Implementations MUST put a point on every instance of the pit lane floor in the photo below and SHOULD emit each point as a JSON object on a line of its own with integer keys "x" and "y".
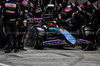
{"x": 51, "y": 56}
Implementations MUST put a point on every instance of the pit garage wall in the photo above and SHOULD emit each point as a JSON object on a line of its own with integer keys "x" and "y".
{"x": 44, "y": 1}
{"x": 80, "y": 1}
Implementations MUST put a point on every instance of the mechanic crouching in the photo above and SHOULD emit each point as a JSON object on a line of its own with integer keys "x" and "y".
{"x": 22, "y": 26}
{"x": 10, "y": 11}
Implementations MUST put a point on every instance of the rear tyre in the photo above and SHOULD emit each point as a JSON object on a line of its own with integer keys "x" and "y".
{"x": 98, "y": 37}
{"x": 39, "y": 41}
{"x": 89, "y": 47}
{"x": 83, "y": 46}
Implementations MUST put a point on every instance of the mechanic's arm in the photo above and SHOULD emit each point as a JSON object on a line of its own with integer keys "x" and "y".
{"x": 59, "y": 16}
{"x": 25, "y": 22}
{"x": 18, "y": 10}
{"x": 2, "y": 10}
{"x": 25, "y": 25}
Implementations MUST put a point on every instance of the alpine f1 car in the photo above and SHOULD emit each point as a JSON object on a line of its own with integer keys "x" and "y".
{"x": 49, "y": 34}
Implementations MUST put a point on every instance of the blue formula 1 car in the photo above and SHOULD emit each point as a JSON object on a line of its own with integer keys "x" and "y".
{"x": 49, "y": 34}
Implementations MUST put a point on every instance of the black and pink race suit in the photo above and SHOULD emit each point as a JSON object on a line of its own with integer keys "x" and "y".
{"x": 89, "y": 7}
{"x": 92, "y": 9}
{"x": 10, "y": 11}
{"x": 22, "y": 29}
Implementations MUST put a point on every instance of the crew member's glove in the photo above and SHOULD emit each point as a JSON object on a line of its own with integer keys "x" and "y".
{"x": 89, "y": 14}
{"x": 16, "y": 22}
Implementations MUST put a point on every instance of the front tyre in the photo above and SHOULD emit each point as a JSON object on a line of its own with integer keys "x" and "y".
{"x": 36, "y": 41}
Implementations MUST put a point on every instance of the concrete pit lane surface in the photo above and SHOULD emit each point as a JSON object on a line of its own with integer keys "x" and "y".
{"x": 51, "y": 57}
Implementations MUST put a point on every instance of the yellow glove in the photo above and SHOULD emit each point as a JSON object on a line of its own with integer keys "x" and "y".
{"x": 89, "y": 14}
{"x": 16, "y": 22}
{"x": 3, "y": 29}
